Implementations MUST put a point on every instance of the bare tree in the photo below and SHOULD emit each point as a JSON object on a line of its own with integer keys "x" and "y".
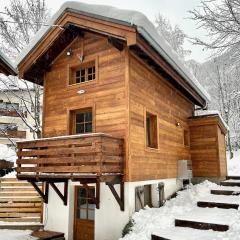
{"x": 221, "y": 20}
{"x": 18, "y": 23}
{"x": 173, "y": 35}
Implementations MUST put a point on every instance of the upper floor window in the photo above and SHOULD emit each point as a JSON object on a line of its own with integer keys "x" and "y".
{"x": 83, "y": 73}
{"x": 151, "y": 130}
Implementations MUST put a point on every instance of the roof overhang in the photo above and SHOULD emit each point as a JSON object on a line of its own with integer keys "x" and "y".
{"x": 6, "y": 66}
{"x": 35, "y": 61}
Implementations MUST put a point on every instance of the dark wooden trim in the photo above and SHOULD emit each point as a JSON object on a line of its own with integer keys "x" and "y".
{"x": 230, "y": 184}
{"x": 63, "y": 196}
{"x": 233, "y": 177}
{"x": 218, "y": 205}
{"x": 155, "y": 237}
{"x": 44, "y": 194}
{"x": 201, "y": 225}
{"x": 161, "y": 62}
{"x": 225, "y": 192}
{"x": 119, "y": 199}
{"x": 117, "y": 43}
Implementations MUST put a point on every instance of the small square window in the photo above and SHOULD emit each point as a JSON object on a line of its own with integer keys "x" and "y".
{"x": 151, "y": 130}
{"x": 84, "y": 73}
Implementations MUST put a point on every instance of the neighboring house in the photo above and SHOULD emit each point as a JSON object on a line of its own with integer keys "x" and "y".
{"x": 118, "y": 114}
{"x": 15, "y": 105}
{"x": 12, "y": 126}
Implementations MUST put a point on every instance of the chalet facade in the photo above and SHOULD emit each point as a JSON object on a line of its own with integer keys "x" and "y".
{"x": 118, "y": 114}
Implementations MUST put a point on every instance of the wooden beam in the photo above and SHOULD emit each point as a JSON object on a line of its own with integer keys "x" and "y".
{"x": 201, "y": 225}
{"x": 225, "y": 192}
{"x": 44, "y": 195}
{"x": 118, "y": 44}
{"x": 119, "y": 199}
{"x": 217, "y": 205}
{"x": 63, "y": 196}
{"x": 155, "y": 237}
{"x": 97, "y": 195}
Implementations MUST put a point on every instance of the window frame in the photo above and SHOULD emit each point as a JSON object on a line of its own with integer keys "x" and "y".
{"x": 75, "y": 67}
{"x": 73, "y": 123}
{"x": 87, "y": 198}
{"x": 148, "y": 147}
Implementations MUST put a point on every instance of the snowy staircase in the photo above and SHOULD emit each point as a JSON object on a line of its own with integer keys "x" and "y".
{"x": 20, "y": 205}
{"x": 215, "y": 213}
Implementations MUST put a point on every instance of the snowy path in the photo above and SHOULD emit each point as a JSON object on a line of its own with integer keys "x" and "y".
{"x": 161, "y": 221}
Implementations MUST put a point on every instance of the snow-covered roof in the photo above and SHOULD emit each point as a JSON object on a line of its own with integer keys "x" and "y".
{"x": 125, "y": 17}
{"x": 211, "y": 113}
{"x": 12, "y": 83}
{"x": 8, "y": 63}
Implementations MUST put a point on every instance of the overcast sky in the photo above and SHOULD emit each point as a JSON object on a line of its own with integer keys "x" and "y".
{"x": 175, "y": 10}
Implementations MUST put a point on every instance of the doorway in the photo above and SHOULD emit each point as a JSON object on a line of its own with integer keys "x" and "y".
{"x": 84, "y": 213}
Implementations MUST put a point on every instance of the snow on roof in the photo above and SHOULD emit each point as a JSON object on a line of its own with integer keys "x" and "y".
{"x": 124, "y": 17}
{"x": 12, "y": 83}
{"x": 7, "y": 62}
{"x": 7, "y": 153}
{"x": 212, "y": 113}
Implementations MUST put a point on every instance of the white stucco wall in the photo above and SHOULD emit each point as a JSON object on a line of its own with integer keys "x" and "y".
{"x": 109, "y": 219}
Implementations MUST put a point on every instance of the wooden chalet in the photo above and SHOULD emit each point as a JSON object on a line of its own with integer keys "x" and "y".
{"x": 118, "y": 115}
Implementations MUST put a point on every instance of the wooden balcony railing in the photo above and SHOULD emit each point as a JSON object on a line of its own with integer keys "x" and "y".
{"x": 88, "y": 154}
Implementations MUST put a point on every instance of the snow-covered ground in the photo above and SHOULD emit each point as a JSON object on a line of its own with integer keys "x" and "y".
{"x": 234, "y": 164}
{"x": 16, "y": 235}
{"x": 161, "y": 220}
{"x": 7, "y": 153}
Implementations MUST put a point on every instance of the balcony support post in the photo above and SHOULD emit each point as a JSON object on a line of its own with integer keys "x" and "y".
{"x": 63, "y": 196}
{"x": 97, "y": 195}
{"x": 119, "y": 199}
{"x": 42, "y": 193}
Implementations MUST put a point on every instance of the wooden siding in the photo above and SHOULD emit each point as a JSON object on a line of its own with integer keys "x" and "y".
{"x": 207, "y": 141}
{"x": 150, "y": 92}
{"x": 106, "y": 95}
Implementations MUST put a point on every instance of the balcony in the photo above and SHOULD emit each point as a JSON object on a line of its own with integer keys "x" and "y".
{"x": 70, "y": 157}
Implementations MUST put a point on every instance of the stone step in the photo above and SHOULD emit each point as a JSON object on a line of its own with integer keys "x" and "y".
{"x": 201, "y": 225}
{"x": 230, "y": 183}
{"x": 225, "y": 192}
{"x": 181, "y": 233}
{"x": 233, "y": 177}
{"x": 217, "y": 205}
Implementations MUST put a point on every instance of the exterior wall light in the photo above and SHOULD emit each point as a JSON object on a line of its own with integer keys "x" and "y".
{"x": 69, "y": 52}
{"x": 178, "y": 124}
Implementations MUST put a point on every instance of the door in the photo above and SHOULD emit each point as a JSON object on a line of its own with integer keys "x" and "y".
{"x": 84, "y": 213}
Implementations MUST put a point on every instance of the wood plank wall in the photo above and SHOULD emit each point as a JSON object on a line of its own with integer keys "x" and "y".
{"x": 207, "y": 147}
{"x": 106, "y": 95}
{"x": 150, "y": 92}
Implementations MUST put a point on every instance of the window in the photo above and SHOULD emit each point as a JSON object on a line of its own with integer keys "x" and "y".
{"x": 85, "y": 203}
{"x": 83, "y": 73}
{"x": 151, "y": 131}
{"x": 82, "y": 121}
{"x": 143, "y": 197}
{"x": 186, "y": 137}
{"x": 8, "y": 126}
